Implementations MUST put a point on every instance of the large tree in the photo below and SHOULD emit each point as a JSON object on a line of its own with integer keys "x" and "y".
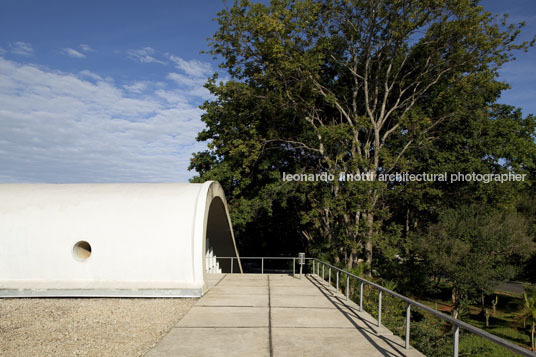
{"x": 341, "y": 86}
{"x": 495, "y": 141}
{"x": 475, "y": 247}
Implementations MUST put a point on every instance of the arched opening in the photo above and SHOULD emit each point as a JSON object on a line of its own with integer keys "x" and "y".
{"x": 219, "y": 240}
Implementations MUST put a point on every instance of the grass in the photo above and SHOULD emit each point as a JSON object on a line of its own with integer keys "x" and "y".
{"x": 504, "y": 323}
{"x": 472, "y": 345}
{"x": 433, "y": 336}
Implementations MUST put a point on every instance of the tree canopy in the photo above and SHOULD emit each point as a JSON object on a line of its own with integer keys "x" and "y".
{"x": 366, "y": 87}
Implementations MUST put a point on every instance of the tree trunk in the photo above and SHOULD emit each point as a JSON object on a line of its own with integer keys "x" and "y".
{"x": 437, "y": 281}
{"x": 368, "y": 247}
{"x": 454, "y": 303}
{"x": 407, "y": 223}
{"x": 350, "y": 260}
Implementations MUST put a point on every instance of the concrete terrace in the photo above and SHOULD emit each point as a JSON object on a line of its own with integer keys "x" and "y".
{"x": 277, "y": 315}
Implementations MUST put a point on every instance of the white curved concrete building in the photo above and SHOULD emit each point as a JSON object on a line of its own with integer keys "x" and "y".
{"x": 113, "y": 239}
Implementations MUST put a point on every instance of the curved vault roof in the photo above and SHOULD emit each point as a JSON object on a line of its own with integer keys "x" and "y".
{"x": 125, "y": 239}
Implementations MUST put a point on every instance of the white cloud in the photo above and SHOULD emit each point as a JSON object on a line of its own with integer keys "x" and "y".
{"x": 2, "y": 51}
{"x": 73, "y": 53}
{"x": 88, "y": 74}
{"x": 144, "y": 55}
{"x": 136, "y": 87}
{"x": 191, "y": 86}
{"x": 177, "y": 97}
{"x": 21, "y": 49}
{"x": 193, "y": 68}
{"x": 184, "y": 80}
{"x": 86, "y": 48}
{"x": 193, "y": 78}
{"x": 64, "y": 127}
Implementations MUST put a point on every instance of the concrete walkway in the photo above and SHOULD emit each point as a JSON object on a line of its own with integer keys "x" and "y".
{"x": 277, "y": 315}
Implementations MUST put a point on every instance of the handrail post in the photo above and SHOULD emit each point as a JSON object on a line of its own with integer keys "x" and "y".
{"x": 380, "y": 309}
{"x": 262, "y": 265}
{"x": 293, "y": 266}
{"x": 408, "y": 317}
{"x": 329, "y": 276}
{"x": 456, "y": 340}
{"x": 313, "y": 266}
{"x": 361, "y": 297}
{"x": 232, "y": 263}
{"x": 347, "y": 286}
{"x": 323, "y": 266}
{"x": 337, "y": 281}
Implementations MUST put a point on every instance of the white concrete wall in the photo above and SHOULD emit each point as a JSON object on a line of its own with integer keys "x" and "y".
{"x": 149, "y": 237}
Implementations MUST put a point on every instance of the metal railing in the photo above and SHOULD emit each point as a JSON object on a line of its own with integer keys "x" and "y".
{"x": 457, "y": 324}
{"x": 262, "y": 260}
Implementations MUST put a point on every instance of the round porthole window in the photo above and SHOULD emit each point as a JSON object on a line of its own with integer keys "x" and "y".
{"x": 82, "y": 250}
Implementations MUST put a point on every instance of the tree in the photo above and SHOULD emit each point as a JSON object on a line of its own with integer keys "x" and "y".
{"x": 341, "y": 86}
{"x": 527, "y": 206}
{"x": 475, "y": 247}
{"x": 529, "y": 297}
{"x": 496, "y": 140}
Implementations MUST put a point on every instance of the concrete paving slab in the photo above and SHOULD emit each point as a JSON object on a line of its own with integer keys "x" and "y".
{"x": 238, "y": 290}
{"x": 309, "y": 317}
{"x": 215, "y": 342}
{"x": 350, "y": 310}
{"x": 294, "y": 290}
{"x": 282, "y": 276}
{"x": 293, "y": 282}
{"x": 225, "y": 316}
{"x": 301, "y": 301}
{"x": 233, "y": 300}
{"x": 303, "y": 317}
{"x": 317, "y": 281}
{"x": 396, "y": 343}
{"x": 214, "y": 276}
{"x": 364, "y": 320}
{"x": 246, "y": 276}
{"x": 213, "y": 279}
{"x": 244, "y": 282}
{"x": 332, "y": 342}
{"x": 326, "y": 289}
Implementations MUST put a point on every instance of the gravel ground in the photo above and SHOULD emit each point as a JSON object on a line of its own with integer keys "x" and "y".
{"x": 86, "y": 327}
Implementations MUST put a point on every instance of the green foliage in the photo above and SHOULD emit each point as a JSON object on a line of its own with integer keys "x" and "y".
{"x": 529, "y": 312}
{"x": 363, "y": 86}
{"x": 431, "y": 337}
{"x": 472, "y": 345}
{"x": 475, "y": 247}
{"x": 353, "y": 86}
{"x": 393, "y": 309}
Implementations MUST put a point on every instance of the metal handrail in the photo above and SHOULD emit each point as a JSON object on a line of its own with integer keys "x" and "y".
{"x": 455, "y": 322}
{"x": 262, "y": 261}
{"x": 282, "y": 258}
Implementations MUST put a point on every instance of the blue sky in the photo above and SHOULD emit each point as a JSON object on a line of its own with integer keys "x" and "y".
{"x": 108, "y": 91}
